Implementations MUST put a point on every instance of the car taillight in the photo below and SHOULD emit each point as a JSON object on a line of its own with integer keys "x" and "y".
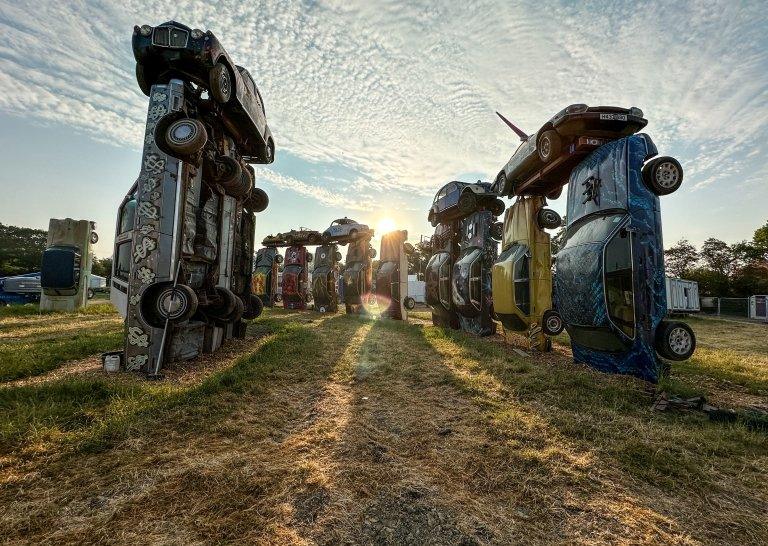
{"x": 576, "y": 108}
{"x": 634, "y": 111}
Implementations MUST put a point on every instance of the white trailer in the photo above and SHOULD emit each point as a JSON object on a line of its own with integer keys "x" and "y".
{"x": 682, "y": 296}
{"x": 758, "y": 307}
{"x": 417, "y": 289}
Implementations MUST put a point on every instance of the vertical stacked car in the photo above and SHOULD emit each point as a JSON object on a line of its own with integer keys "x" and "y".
{"x": 522, "y": 276}
{"x": 392, "y": 276}
{"x": 358, "y": 277}
{"x": 295, "y": 283}
{"x": 265, "y": 276}
{"x": 184, "y": 239}
{"x": 609, "y": 280}
{"x": 66, "y": 264}
{"x": 458, "y": 285}
{"x": 471, "y": 281}
{"x": 325, "y": 278}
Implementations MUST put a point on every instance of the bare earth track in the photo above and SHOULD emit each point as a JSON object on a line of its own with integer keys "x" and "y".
{"x": 335, "y": 429}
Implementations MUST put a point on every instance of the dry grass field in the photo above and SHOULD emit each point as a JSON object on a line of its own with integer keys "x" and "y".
{"x": 321, "y": 429}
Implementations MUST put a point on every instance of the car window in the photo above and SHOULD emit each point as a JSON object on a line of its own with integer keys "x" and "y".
{"x": 619, "y": 293}
{"x": 444, "y": 282}
{"x": 123, "y": 261}
{"x": 127, "y": 215}
{"x": 522, "y": 280}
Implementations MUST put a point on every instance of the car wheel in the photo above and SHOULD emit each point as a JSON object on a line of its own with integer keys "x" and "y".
{"x": 497, "y": 207}
{"x": 409, "y": 303}
{"x": 90, "y": 293}
{"x": 278, "y": 259}
{"x": 554, "y": 194}
{"x": 501, "y": 183}
{"x": 145, "y": 82}
{"x": 240, "y": 187}
{"x": 255, "y": 307}
{"x": 337, "y": 256}
{"x": 663, "y": 175}
{"x": 548, "y": 219}
{"x": 223, "y": 305}
{"x": 552, "y": 323}
{"x": 257, "y": 201}
{"x": 467, "y": 203}
{"x": 94, "y": 238}
{"x": 548, "y": 146}
{"x": 185, "y": 137}
{"x": 675, "y": 340}
{"x": 220, "y": 84}
{"x": 226, "y": 170}
{"x": 165, "y": 302}
{"x": 497, "y": 230}
{"x": 371, "y": 253}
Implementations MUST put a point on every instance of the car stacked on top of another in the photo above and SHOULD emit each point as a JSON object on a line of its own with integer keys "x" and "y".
{"x": 542, "y": 163}
{"x": 301, "y": 236}
{"x": 173, "y": 50}
{"x": 344, "y": 230}
{"x": 457, "y": 200}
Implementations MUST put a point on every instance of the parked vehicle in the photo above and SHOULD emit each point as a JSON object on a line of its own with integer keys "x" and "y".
{"x": 560, "y": 144}
{"x": 457, "y": 200}
{"x": 609, "y": 280}
{"x": 392, "y": 276}
{"x": 522, "y": 276}
{"x": 172, "y": 50}
{"x": 344, "y": 230}
{"x": 758, "y": 307}
{"x": 325, "y": 279}
{"x": 417, "y": 289}
{"x": 682, "y": 296}
{"x": 265, "y": 275}
{"x": 20, "y": 289}
{"x": 471, "y": 279}
{"x": 295, "y": 279}
{"x": 439, "y": 275}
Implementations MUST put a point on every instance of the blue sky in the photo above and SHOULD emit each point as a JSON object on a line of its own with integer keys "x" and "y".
{"x": 374, "y": 105}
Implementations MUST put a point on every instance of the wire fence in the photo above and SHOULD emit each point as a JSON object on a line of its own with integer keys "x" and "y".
{"x": 731, "y": 307}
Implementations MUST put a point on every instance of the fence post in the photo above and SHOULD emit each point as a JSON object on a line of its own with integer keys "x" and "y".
{"x": 718, "y": 307}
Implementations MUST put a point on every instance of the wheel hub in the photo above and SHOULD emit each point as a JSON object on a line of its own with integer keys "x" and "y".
{"x": 667, "y": 175}
{"x": 553, "y": 323}
{"x": 183, "y": 132}
{"x": 171, "y": 304}
{"x": 545, "y": 147}
{"x": 680, "y": 341}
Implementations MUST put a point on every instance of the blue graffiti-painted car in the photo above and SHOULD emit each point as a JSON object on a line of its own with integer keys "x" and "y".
{"x": 609, "y": 280}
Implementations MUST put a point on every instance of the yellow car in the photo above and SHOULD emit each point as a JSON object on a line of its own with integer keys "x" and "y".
{"x": 522, "y": 276}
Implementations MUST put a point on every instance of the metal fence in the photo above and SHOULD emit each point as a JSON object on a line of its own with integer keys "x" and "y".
{"x": 733, "y": 307}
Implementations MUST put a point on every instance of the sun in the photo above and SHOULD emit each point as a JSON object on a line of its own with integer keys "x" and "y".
{"x": 385, "y": 226}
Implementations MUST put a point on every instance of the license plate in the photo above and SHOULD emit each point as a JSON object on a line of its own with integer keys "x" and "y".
{"x": 613, "y": 117}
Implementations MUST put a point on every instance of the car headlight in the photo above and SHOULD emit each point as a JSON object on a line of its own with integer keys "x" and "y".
{"x": 635, "y": 112}
{"x": 197, "y": 34}
{"x": 145, "y": 30}
{"x": 576, "y": 108}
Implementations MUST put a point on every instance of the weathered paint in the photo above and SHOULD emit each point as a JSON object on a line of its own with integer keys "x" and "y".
{"x": 295, "y": 278}
{"x": 325, "y": 278}
{"x": 438, "y": 275}
{"x": 392, "y": 276}
{"x": 358, "y": 277}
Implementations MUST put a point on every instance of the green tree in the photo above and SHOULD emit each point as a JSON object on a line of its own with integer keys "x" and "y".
{"x": 102, "y": 267}
{"x": 718, "y": 256}
{"x": 680, "y": 258}
{"x": 21, "y": 249}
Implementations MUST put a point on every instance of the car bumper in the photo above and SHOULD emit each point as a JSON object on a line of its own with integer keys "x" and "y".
{"x": 599, "y": 124}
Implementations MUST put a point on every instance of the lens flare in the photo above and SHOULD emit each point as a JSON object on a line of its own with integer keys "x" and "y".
{"x": 385, "y": 226}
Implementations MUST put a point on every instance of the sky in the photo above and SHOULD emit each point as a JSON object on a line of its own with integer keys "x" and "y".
{"x": 375, "y": 105}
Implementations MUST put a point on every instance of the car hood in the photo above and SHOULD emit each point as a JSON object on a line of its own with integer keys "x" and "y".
{"x": 579, "y": 289}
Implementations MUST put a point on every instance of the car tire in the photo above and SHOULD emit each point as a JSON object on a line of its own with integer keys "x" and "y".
{"x": 675, "y": 340}
{"x": 278, "y": 259}
{"x": 548, "y": 146}
{"x": 663, "y": 175}
{"x": 409, "y": 303}
{"x": 241, "y": 187}
{"x": 257, "y": 201}
{"x": 90, "y": 293}
{"x": 226, "y": 170}
{"x": 94, "y": 238}
{"x": 467, "y": 203}
{"x": 220, "y": 82}
{"x": 497, "y": 230}
{"x": 497, "y": 207}
{"x": 143, "y": 79}
{"x": 501, "y": 183}
{"x": 337, "y": 256}
{"x": 548, "y": 219}
{"x": 225, "y": 304}
{"x": 372, "y": 253}
{"x": 164, "y": 302}
{"x": 254, "y": 308}
{"x": 185, "y": 137}
{"x": 552, "y": 323}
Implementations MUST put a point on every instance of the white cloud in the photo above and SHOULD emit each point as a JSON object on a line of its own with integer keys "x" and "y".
{"x": 404, "y": 93}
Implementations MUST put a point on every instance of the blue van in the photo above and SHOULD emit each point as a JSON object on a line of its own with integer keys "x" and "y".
{"x": 609, "y": 279}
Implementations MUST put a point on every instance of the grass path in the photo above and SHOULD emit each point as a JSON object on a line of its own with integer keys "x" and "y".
{"x": 337, "y": 429}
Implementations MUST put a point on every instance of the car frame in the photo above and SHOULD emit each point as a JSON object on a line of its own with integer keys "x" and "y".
{"x": 522, "y": 275}
{"x": 457, "y": 200}
{"x": 202, "y": 59}
{"x": 264, "y": 281}
{"x": 542, "y": 162}
{"x": 438, "y": 275}
{"x": 609, "y": 278}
